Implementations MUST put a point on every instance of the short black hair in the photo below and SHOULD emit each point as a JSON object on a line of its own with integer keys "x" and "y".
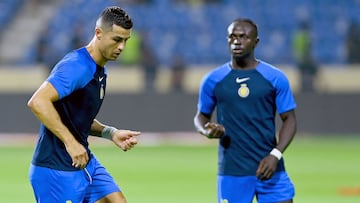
{"x": 249, "y": 21}
{"x": 115, "y": 15}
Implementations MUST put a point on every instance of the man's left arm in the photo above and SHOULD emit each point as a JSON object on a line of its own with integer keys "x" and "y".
{"x": 267, "y": 166}
{"x": 287, "y": 130}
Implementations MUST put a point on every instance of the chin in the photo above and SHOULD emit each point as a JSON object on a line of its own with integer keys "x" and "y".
{"x": 113, "y": 58}
{"x": 237, "y": 55}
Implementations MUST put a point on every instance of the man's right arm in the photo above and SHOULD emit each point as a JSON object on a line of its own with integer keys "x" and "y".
{"x": 41, "y": 104}
{"x": 200, "y": 121}
{"x": 205, "y": 127}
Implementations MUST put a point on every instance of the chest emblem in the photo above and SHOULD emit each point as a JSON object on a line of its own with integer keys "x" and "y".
{"x": 102, "y": 92}
{"x": 243, "y": 91}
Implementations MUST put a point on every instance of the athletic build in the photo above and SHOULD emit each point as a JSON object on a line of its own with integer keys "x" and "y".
{"x": 247, "y": 93}
{"x": 63, "y": 168}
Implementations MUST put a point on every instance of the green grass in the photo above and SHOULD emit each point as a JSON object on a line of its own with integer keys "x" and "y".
{"x": 319, "y": 167}
{"x": 177, "y": 174}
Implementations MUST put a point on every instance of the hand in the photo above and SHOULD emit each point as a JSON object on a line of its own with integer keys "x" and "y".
{"x": 267, "y": 167}
{"x": 214, "y": 130}
{"x": 125, "y": 139}
{"x": 78, "y": 154}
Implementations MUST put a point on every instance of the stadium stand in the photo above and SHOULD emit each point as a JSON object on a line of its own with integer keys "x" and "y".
{"x": 24, "y": 23}
{"x": 198, "y": 33}
{"x": 8, "y": 11}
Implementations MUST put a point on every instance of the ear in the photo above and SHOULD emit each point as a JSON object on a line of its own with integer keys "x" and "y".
{"x": 256, "y": 42}
{"x": 98, "y": 33}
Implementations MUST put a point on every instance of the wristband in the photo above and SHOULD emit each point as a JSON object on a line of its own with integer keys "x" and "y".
{"x": 107, "y": 132}
{"x": 276, "y": 153}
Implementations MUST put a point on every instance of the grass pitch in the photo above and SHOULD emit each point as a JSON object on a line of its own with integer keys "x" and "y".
{"x": 318, "y": 166}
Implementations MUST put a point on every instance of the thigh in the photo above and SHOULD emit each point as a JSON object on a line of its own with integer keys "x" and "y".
{"x": 239, "y": 189}
{"x": 277, "y": 189}
{"x": 102, "y": 184}
{"x": 117, "y": 197}
{"x": 51, "y": 185}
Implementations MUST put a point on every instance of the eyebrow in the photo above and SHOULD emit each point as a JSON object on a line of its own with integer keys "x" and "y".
{"x": 120, "y": 38}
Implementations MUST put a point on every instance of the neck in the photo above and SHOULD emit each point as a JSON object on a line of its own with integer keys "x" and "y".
{"x": 244, "y": 63}
{"x": 95, "y": 53}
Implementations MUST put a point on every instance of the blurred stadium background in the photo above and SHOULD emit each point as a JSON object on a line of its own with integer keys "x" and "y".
{"x": 194, "y": 31}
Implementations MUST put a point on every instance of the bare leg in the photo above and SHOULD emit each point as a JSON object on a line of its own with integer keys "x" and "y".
{"x": 115, "y": 197}
{"x": 287, "y": 201}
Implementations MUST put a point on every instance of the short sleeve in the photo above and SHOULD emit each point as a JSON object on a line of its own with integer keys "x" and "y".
{"x": 68, "y": 77}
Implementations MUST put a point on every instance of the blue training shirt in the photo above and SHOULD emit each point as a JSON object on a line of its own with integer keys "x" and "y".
{"x": 246, "y": 103}
{"x": 81, "y": 85}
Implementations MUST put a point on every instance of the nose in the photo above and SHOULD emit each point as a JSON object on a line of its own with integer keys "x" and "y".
{"x": 236, "y": 40}
{"x": 121, "y": 46}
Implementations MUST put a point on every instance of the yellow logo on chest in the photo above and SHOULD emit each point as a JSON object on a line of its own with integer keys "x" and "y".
{"x": 243, "y": 91}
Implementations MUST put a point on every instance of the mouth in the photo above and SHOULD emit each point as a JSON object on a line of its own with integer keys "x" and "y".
{"x": 236, "y": 49}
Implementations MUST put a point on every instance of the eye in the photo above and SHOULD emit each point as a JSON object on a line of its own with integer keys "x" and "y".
{"x": 234, "y": 37}
{"x": 120, "y": 40}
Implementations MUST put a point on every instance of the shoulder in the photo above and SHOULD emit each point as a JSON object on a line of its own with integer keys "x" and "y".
{"x": 218, "y": 73}
{"x": 271, "y": 73}
{"x": 74, "y": 71}
{"x": 76, "y": 63}
{"x": 269, "y": 69}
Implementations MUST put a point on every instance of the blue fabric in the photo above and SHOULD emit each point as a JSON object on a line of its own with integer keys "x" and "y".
{"x": 242, "y": 189}
{"x": 81, "y": 86}
{"x": 87, "y": 185}
{"x": 246, "y": 103}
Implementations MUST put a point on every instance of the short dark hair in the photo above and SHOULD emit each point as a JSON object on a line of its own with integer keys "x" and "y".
{"x": 114, "y": 15}
{"x": 249, "y": 21}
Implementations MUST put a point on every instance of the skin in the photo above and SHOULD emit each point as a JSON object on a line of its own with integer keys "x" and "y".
{"x": 106, "y": 45}
{"x": 242, "y": 41}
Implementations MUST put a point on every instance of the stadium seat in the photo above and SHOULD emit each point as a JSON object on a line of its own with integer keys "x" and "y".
{"x": 198, "y": 33}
